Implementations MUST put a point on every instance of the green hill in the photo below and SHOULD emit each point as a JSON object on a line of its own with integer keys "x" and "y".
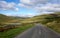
{"x": 4, "y": 18}
{"x": 50, "y": 20}
{"x": 10, "y": 19}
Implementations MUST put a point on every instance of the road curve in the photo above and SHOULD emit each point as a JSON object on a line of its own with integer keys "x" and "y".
{"x": 38, "y": 31}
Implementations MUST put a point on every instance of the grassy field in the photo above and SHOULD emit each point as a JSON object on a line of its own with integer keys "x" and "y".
{"x": 13, "y": 32}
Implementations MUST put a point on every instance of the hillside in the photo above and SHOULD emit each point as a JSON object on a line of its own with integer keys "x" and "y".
{"x": 4, "y": 18}
{"x": 50, "y": 20}
{"x": 10, "y": 19}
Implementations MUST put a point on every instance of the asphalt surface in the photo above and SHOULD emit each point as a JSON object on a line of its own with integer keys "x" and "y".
{"x": 38, "y": 31}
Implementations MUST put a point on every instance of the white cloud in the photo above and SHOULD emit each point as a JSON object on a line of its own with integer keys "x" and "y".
{"x": 49, "y": 7}
{"x": 33, "y": 1}
{"x": 24, "y": 5}
{"x": 7, "y": 6}
{"x": 25, "y": 1}
{"x": 16, "y": 9}
{"x": 41, "y": 5}
{"x": 44, "y": 12}
{"x": 20, "y": 4}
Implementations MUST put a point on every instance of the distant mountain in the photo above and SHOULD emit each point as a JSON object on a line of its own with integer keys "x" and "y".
{"x": 17, "y": 17}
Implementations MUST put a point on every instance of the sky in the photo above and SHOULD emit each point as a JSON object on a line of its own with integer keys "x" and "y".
{"x": 28, "y": 8}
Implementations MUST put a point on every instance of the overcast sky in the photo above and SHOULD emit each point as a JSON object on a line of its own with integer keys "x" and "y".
{"x": 28, "y": 8}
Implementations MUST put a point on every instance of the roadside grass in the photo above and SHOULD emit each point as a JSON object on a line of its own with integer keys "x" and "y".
{"x": 54, "y": 26}
{"x": 13, "y": 32}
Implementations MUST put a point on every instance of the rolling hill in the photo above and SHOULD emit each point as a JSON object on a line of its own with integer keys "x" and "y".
{"x": 50, "y": 20}
{"x": 4, "y": 18}
{"x": 10, "y": 19}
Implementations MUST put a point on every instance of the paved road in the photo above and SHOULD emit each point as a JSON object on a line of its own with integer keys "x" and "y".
{"x": 38, "y": 31}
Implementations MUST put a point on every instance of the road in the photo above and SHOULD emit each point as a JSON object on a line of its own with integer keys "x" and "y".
{"x": 38, "y": 31}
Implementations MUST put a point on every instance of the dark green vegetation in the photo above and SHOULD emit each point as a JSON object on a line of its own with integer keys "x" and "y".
{"x": 13, "y": 32}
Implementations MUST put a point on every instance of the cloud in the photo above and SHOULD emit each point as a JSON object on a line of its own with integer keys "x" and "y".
{"x": 41, "y": 5}
{"x": 7, "y": 6}
{"x": 24, "y": 5}
{"x": 16, "y": 9}
{"x": 33, "y": 1}
{"x": 49, "y": 7}
{"x": 25, "y": 1}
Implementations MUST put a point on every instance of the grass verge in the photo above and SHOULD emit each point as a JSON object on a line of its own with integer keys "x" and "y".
{"x": 13, "y": 32}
